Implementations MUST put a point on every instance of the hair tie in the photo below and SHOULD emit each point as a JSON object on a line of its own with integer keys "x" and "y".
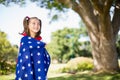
{"x": 27, "y": 18}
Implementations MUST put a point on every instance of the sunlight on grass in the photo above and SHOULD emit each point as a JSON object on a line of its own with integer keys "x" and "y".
{"x": 53, "y": 70}
{"x": 53, "y": 74}
{"x": 7, "y": 77}
{"x": 77, "y": 76}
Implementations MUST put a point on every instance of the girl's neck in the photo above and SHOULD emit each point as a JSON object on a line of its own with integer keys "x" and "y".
{"x": 32, "y": 35}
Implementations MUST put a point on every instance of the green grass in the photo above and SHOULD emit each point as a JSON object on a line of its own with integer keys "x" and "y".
{"x": 7, "y": 77}
{"x": 54, "y": 75}
{"x": 78, "y": 76}
{"x": 87, "y": 76}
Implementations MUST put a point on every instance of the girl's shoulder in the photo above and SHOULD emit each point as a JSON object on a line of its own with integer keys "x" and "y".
{"x": 24, "y": 38}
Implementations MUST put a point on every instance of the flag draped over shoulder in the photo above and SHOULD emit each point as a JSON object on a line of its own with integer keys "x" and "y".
{"x": 33, "y": 60}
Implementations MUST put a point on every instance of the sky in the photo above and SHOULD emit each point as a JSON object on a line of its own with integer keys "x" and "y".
{"x": 11, "y": 19}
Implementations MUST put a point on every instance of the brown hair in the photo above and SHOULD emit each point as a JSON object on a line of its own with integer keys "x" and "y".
{"x": 26, "y": 21}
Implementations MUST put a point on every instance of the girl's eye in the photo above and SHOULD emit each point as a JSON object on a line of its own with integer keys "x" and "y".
{"x": 33, "y": 23}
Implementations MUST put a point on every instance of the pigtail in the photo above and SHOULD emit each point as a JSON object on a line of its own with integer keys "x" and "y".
{"x": 25, "y": 25}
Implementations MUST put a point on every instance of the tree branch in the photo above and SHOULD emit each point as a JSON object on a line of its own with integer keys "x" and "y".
{"x": 107, "y": 6}
{"x": 116, "y": 18}
{"x": 86, "y": 12}
{"x": 66, "y": 2}
{"x": 98, "y": 5}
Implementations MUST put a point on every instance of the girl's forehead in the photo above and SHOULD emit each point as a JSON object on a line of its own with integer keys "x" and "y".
{"x": 34, "y": 20}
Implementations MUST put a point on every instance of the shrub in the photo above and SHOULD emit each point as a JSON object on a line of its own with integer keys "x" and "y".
{"x": 7, "y": 68}
{"x": 78, "y": 64}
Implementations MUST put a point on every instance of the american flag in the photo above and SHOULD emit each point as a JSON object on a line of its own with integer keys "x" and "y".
{"x": 33, "y": 60}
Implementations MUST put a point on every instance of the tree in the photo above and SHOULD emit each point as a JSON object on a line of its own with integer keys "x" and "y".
{"x": 6, "y": 48}
{"x": 102, "y": 29}
{"x": 101, "y": 26}
{"x": 65, "y": 44}
{"x": 8, "y": 54}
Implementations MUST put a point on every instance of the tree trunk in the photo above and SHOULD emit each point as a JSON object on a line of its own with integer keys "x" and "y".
{"x": 103, "y": 47}
{"x": 104, "y": 53}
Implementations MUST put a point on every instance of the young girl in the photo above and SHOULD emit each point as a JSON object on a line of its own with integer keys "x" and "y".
{"x": 33, "y": 59}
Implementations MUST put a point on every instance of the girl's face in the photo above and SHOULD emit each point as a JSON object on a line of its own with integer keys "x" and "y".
{"x": 34, "y": 26}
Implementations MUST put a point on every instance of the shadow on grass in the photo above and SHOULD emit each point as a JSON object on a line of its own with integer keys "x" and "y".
{"x": 88, "y": 77}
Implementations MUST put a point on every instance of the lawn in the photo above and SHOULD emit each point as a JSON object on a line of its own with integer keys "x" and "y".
{"x": 78, "y": 76}
{"x": 7, "y": 77}
{"x": 86, "y": 75}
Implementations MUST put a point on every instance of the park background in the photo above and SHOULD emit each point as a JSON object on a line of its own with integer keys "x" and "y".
{"x": 65, "y": 35}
